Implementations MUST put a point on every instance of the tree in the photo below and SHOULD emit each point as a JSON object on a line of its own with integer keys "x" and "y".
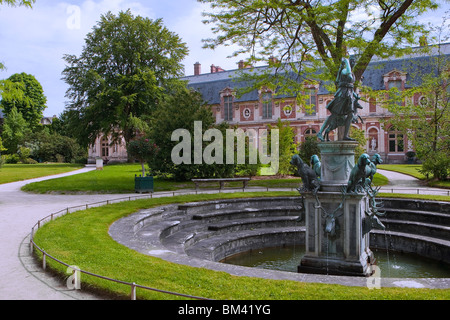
{"x": 423, "y": 114}
{"x": 51, "y": 147}
{"x": 143, "y": 150}
{"x": 180, "y": 110}
{"x": 359, "y": 137}
{"x": 308, "y": 149}
{"x": 15, "y": 130}
{"x": 120, "y": 75}
{"x": 25, "y": 93}
{"x": 15, "y": 3}
{"x": 1, "y": 150}
{"x": 301, "y": 36}
{"x": 287, "y": 146}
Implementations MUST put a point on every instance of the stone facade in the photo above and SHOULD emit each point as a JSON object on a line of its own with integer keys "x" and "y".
{"x": 260, "y": 108}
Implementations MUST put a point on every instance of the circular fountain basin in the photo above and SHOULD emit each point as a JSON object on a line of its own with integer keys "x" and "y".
{"x": 391, "y": 263}
{"x": 202, "y": 234}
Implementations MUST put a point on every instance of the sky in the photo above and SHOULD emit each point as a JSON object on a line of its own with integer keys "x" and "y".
{"x": 35, "y": 40}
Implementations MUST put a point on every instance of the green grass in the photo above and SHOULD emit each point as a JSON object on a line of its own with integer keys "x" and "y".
{"x": 413, "y": 170}
{"x": 20, "y": 172}
{"x": 82, "y": 239}
{"x": 120, "y": 179}
{"x": 409, "y": 169}
{"x": 429, "y": 197}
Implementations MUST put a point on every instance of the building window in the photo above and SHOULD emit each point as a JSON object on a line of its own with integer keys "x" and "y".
{"x": 372, "y": 105}
{"x": 105, "y": 147}
{"x": 396, "y": 140}
{"x": 311, "y": 102}
{"x": 397, "y": 99}
{"x": 267, "y": 105}
{"x": 228, "y": 105}
{"x": 310, "y": 133}
{"x": 287, "y": 111}
{"x": 247, "y": 113}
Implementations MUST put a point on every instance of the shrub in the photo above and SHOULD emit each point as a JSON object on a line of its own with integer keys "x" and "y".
{"x": 11, "y": 158}
{"x": 143, "y": 150}
{"x": 437, "y": 165}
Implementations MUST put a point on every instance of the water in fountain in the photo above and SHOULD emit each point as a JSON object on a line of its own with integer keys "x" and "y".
{"x": 286, "y": 259}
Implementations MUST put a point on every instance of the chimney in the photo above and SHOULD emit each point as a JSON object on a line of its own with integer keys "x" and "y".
{"x": 243, "y": 65}
{"x": 215, "y": 69}
{"x": 197, "y": 69}
{"x": 423, "y": 41}
{"x": 272, "y": 60}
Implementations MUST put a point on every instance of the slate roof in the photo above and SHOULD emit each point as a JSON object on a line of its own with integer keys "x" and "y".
{"x": 210, "y": 84}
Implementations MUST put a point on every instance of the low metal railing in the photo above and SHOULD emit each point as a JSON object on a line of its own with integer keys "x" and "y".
{"x": 133, "y": 286}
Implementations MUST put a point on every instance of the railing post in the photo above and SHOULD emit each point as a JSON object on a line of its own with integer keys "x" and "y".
{"x": 44, "y": 262}
{"x": 133, "y": 291}
{"x": 31, "y": 242}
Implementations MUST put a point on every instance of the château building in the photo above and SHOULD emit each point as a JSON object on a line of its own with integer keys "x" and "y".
{"x": 261, "y": 107}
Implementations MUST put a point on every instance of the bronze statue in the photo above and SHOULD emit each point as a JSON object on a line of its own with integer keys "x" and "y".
{"x": 309, "y": 178}
{"x": 344, "y": 107}
{"x": 316, "y": 165}
{"x": 360, "y": 172}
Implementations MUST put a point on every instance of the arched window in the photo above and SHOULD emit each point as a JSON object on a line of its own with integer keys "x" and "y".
{"x": 396, "y": 140}
{"x": 310, "y": 133}
{"x": 105, "y": 147}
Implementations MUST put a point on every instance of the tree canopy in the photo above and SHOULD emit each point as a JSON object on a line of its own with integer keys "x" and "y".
{"x": 24, "y": 92}
{"x": 304, "y": 35}
{"x": 120, "y": 76}
{"x": 14, "y": 3}
{"x": 423, "y": 114}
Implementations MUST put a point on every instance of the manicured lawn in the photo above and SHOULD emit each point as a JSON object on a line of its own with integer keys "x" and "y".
{"x": 113, "y": 179}
{"x": 413, "y": 170}
{"x": 82, "y": 239}
{"x": 19, "y": 172}
{"x": 120, "y": 179}
{"x": 409, "y": 169}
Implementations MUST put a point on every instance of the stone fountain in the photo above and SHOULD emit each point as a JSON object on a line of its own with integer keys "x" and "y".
{"x": 340, "y": 209}
{"x": 339, "y": 200}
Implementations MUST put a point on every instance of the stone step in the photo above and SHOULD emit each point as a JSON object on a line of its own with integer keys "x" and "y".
{"x": 252, "y": 223}
{"x": 418, "y": 228}
{"x": 190, "y": 233}
{"x": 417, "y": 205}
{"x": 221, "y": 246}
{"x": 417, "y": 215}
{"x": 238, "y": 204}
{"x": 219, "y": 215}
{"x": 425, "y": 246}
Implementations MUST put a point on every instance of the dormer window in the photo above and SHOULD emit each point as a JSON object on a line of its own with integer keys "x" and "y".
{"x": 311, "y": 102}
{"x": 228, "y": 108}
{"x": 395, "y": 79}
{"x": 227, "y": 99}
{"x": 267, "y": 105}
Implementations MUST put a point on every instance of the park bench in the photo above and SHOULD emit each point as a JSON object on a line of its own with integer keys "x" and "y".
{"x": 221, "y": 181}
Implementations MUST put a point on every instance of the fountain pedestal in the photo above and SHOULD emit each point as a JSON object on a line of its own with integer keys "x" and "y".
{"x": 335, "y": 240}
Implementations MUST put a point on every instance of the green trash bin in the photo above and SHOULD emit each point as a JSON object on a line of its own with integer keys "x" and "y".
{"x": 143, "y": 184}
